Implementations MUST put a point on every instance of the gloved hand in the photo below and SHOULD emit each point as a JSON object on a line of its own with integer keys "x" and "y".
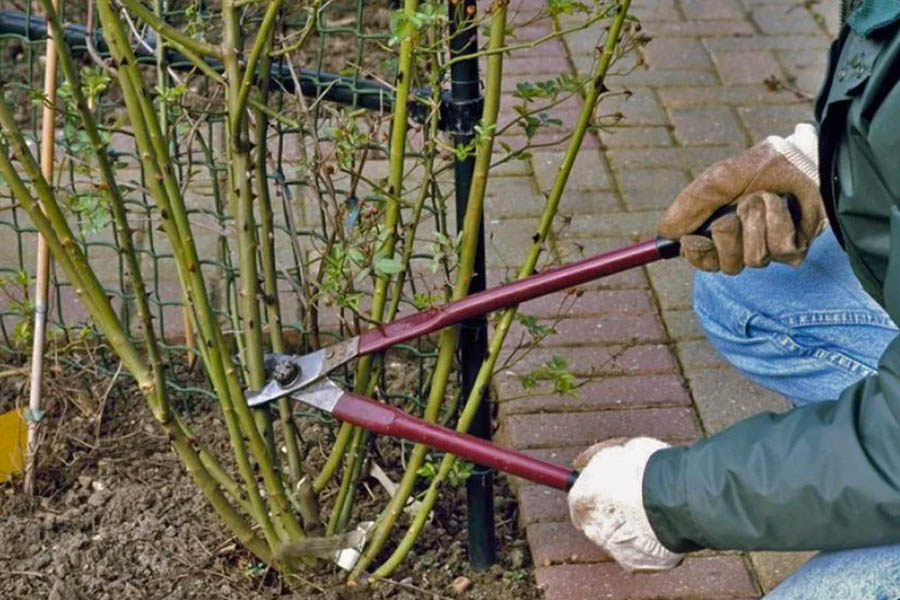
{"x": 762, "y": 229}
{"x": 606, "y": 503}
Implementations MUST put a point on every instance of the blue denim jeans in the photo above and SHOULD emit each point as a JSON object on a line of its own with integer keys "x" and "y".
{"x": 807, "y": 333}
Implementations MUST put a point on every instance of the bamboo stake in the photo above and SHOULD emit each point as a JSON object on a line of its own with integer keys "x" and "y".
{"x": 48, "y": 130}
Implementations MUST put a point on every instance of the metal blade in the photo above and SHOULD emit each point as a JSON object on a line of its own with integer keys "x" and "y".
{"x": 310, "y": 368}
{"x": 322, "y": 395}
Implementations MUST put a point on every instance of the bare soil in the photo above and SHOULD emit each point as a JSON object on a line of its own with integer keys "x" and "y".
{"x": 117, "y": 516}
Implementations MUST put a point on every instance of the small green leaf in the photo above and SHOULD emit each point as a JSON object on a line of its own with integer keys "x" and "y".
{"x": 388, "y": 266}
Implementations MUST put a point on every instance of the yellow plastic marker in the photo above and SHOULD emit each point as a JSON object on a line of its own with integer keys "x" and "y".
{"x": 13, "y": 437}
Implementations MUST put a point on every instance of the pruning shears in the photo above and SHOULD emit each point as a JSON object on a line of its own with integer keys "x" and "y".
{"x": 305, "y": 378}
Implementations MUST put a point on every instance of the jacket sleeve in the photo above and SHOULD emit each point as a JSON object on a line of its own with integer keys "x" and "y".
{"x": 823, "y": 476}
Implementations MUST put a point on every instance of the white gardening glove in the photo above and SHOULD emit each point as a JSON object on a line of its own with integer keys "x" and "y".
{"x": 606, "y": 503}
{"x": 762, "y": 229}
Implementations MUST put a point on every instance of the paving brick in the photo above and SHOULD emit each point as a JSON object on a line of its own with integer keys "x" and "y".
{"x": 706, "y": 125}
{"x": 659, "y": 10}
{"x": 512, "y": 196}
{"x": 588, "y": 172}
{"x": 590, "y": 302}
{"x": 650, "y": 188}
{"x": 772, "y": 568}
{"x": 611, "y": 329}
{"x": 682, "y": 324}
{"x": 555, "y": 543}
{"x": 735, "y": 95}
{"x": 712, "y": 9}
{"x": 672, "y": 281}
{"x": 765, "y": 121}
{"x": 642, "y": 76}
{"x": 510, "y": 168}
{"x": 636, "y": 225}
{"x": 746, "y": 66}
{"x": 694, "y": 28}
{"x": 526, "y": 7}
{"x": 699, "y": 354}
{"x": 805, "y": 67}
{"x": 767, "y": 42}
{"x": 531, "y": 204}
{"x": 535, "y": 67}
{"x": 604, "y": 360}
{"x": 588, "y": 202}
{"x": 607, "y": 393}
{"x": 695, "y": 157}
{"x": 724, "y": 396}
{"x": 662, "y": 78}
{"x": 639, "y": 107}
{"x": 564, "y": 455}
{"x": 701, "y": 578}
{"x": 829, "y": 16}
{"x": 784, "y": 19}
{"x": 510, "y": 186}
{"x": 635, "y": 137}
{"x": 540, "y": 504}
{"x": 528, "y": 30}
{"x": 585, "y": 428}
{"x": 678, "y": 53}
{"x": 508, "y": 239}
{"x": 585, "y": 41}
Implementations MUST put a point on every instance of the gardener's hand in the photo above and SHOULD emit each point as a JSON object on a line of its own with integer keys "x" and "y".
{"x": 606, "y": 503}
{"x": 762, "y": 229}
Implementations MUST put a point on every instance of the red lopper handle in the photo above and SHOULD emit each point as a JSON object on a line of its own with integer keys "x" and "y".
{"x": 384, "y": 336}
{"x": 388, "y": 420}
{"x": 553, "y": 280}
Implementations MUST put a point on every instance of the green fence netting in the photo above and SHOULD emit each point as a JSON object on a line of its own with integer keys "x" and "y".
{"x": 346, "y": 66}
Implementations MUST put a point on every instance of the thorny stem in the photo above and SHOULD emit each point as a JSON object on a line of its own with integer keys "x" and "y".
{"x": 260, "y": 436}
{"x": 448, "y": 337}
{"x": 171, "y": 33}
{"x": 391, "y": 221}
{"x": 304, "y": 34}
{"x": 155, "y": 162}
{"x": 260, "y": 47}
{"x": 594, "y": 89}
{"x": 270, "y": 275}
{"x": 219, "y": 367}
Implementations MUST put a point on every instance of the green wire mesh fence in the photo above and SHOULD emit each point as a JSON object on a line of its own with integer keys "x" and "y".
{"x": 346, "y": 66}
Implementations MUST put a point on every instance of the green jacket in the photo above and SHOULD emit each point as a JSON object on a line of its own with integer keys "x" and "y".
{"x": 823, "y": 476}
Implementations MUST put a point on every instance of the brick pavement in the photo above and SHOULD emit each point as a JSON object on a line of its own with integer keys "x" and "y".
{"x": 700, "y": 98}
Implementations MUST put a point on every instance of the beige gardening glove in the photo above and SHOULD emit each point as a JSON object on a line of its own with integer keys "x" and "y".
{"x": 606, "y": 503}
{"x": 761, "y": 230}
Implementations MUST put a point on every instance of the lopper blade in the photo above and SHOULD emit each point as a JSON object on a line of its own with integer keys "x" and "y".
{"x": 293, "y": 373}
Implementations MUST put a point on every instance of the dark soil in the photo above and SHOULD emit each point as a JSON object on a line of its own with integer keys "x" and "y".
{"x": 117, "y": 516}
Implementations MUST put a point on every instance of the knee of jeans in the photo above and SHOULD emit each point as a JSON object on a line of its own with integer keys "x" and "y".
{"x": 718, "y": 306}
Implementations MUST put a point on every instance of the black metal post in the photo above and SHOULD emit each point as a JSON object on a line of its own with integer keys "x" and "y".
{"x": 464, "y": 104}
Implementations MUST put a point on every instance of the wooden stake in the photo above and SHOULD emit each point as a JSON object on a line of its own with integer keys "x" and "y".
{"x": 48, "y": 131}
